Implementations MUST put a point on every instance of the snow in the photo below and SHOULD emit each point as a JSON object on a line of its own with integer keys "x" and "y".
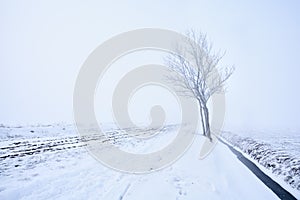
{"x": 58, "y": 166}
{"x": 276, "y": 155}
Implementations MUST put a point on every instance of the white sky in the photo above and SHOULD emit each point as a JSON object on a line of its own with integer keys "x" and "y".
{"x": 44, "y": 44}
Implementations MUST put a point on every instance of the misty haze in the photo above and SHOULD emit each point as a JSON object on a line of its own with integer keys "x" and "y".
{"x": 149, "y": 100}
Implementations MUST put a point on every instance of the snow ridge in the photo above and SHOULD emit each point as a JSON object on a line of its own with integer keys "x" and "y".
{"x": 276, "y": 160}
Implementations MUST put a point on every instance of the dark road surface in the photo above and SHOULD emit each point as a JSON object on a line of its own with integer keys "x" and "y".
{"x": 274, "y": 186}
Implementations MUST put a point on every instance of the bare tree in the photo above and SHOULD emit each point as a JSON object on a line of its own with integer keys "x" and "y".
{"x": 202, "y": 80}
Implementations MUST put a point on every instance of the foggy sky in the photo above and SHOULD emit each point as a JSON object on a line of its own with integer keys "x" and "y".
{"x": 43, "y": 46}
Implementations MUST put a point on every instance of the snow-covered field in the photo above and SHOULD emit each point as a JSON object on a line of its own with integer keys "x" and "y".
{"x": 278, "y": 154}
{"x": 51, "y": 162}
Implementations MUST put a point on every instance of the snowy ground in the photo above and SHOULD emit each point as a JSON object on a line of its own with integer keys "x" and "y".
{"x": 278, "y": 155}
{"x": 51, "y": 162}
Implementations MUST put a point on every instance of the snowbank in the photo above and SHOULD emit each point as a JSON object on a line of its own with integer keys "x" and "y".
{"x": 277, "y": 160}
{"x": 52, "y": 163}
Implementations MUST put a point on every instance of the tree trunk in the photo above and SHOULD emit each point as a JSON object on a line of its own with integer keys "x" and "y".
{"x": 202, "y": 119}
{"x": 207, "y": 126}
